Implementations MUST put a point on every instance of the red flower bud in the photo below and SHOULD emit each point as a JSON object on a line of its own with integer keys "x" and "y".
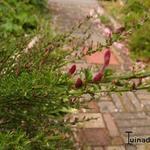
{"x": 78, "y": 83}
{"x": 72, "y": 70}
{"x": 98, "y": 77}
{"x": 107, "y": 56}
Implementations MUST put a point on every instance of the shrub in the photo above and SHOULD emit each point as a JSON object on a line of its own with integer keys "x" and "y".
{"x": 35, "y": 95}
{"x": 139, "y": 42}
{"x": 16, "y": 18}
{"x": 134, "y": 12}
{"x": 15, "y": 140}
{"x": 137, "y": 19}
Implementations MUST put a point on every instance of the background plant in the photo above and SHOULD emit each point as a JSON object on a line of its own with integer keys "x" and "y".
{"x": 18, "y": 18}
{"x": 137, "y": 18}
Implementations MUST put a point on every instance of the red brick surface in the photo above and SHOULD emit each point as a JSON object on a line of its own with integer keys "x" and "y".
{"x": 94, "y": 137}
{"x": 97, "y": 58}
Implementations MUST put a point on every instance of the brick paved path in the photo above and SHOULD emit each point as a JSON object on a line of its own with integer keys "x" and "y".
{"x": 113, "y": 114}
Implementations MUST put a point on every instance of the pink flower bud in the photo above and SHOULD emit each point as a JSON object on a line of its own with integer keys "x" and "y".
{"x": 92, "y": 12}
{"x": 119, "y": 45}
{"x": 72, "y": 70}
{"x": 107, "y": 56}
{"x": 107, "y": 32}
{"x": 78, "y": 83}
{"x": 98, "y": 77}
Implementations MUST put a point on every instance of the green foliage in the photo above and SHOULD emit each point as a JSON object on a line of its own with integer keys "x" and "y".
{"x": 105, "y": 20}
{"x": 18, "y": 17}
{"x": 135, "y": 6}
{"x": 38, "y": 3}
{"x": 137, "y": 18}
{"x": 88, "y": 74}
{"x": 146, "y": 3}
{"x": 15, "y": 140}
{"x": 135, "y": 11}
{"x": 35, "y": 95}
{"x": 139, "y": 42}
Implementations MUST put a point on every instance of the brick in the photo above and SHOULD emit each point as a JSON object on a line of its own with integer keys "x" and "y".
{"x": 148, "y": 114}
{"x": 97, "y": 148}
{"x": 141, "y": 147}
{"x": 147, "y": 147}
{"x": 84, "y": 147}
{"x": 127, "y": 103}
{"x": 142, "y": 91}
{"x": 107, "y": 106}
{"x": 76, "y": 137}
{"x": 93, "y": 107}
{"x": 106, "y": 98}
{"x": 94, "y": 137}
{"x": 137, "y": 131}
{"x": 143, "y": 94}
{"x": 86, "y": 97}
{"x": 95, "y": 120}
{"x": 130, "y": 147}
{"x": 102, "y": 96}
{"x": 147, "y": 107}
{"x": 97, "y": 58}
{"x": 117, "y": 102}
{"x": 115, "y": 148}
{"x": 125, "y": 138}
{"x": 113, "y": 130}
{"x": 133, "y": 123}
{"x": 145, "y": 102}
{"x": 127, "y": 115}
{"x": 117, "y": 141}
{"x": 135, "y": 101}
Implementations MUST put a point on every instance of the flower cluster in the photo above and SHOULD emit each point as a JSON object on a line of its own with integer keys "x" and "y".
{"x": 98, "y": 77}
{"x": 100, "y": 74}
